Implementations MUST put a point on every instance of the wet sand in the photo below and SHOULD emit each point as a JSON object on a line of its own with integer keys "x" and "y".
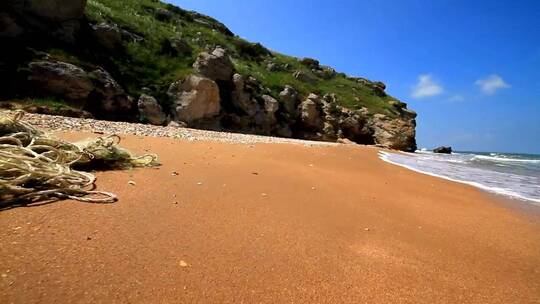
{"x": 270, "y": 223}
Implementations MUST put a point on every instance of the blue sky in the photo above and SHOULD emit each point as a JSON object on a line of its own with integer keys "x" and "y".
{"x": 471, "y": 69}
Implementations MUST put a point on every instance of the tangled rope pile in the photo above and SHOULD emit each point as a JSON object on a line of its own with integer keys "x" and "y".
{"x": 36, "y": 168}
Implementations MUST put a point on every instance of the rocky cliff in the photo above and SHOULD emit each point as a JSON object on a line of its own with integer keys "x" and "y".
{"x": 147, "y": 61}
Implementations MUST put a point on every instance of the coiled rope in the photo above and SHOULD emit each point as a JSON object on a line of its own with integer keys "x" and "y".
{"x": 36, "y": 168}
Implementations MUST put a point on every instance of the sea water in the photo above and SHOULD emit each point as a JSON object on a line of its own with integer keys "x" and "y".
{"x": 512, "y": 175}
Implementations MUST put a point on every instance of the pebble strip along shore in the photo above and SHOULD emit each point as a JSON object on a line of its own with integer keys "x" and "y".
{"x": 67, "y": 124}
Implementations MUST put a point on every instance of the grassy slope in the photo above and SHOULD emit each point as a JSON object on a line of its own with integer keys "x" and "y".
{"x": 146, "y": 66}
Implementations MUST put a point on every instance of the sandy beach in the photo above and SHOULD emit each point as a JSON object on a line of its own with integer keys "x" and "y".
{"x": 223, "y": 222}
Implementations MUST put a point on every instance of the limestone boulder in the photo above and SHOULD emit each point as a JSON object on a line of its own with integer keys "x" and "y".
{"x": 109, "y": 97}
{"x": 271, "y": 106}
{"x": 194, "y": 98}
{"x": 394, "y": 133}
{"x": 216, "y": 66}
{"x": 150, "y": 110}
{"x": 60, "y": 79}
{"x": 241, "y": 99}
{"x": 289, "y": 99}
{"x": 310, "y": 116}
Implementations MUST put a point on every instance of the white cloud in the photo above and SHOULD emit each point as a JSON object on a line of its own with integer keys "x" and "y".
{"x": 426, "y": 87}
{"x": 456, "y": 98}
{"x": 491, "y": 84}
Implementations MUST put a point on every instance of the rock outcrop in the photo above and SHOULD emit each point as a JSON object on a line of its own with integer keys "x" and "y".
{"x": 309, "y": 113}
{"x": 394, "y": 133}
{"x": 194, "y": 98}
{"x": 96, "y": 91}
{"x": 216, "y": 65}
{"x": 289, "y": 98}
{"x": 443, "y": 150}
{"x": 241, "y": 99}
{"x": 57, "y": 18}
{"x": 108, "y": 36}
{"x": 108, "y": 97}
{"x": 50, "y": 10}
{"x": 60, "y": 79}
{"x": 151, "y": 111}
{"x": 52, "y": 50}
{"x": 271, "y": 105}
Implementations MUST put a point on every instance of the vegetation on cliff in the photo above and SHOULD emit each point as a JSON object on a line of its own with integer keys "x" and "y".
{"x": 147, "y": 65}
{"x": 117, "y": 51}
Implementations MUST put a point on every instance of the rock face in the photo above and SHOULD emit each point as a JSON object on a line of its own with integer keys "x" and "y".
{"x": 241, "y": 99}
{"x": 60, "y": 79}
{"x": 32, "y": 32}
{"x": 108, "y": 36}
{"x": 309, "y": 114}
{"x": 216, "y": 65}
{"x": 271, "y": 106}
{"x": 150, "y": 110}
{"x": 109, "y": 97}
{"x": 96, "y": 91}
{"x": 394, "y": 133}
{"x": 289, "y": 98}
{"x": 57, "y": 18}
{"x": 51, "y": 10}
{"x": 443, "y": 150}
{"x": 194, "y": 98}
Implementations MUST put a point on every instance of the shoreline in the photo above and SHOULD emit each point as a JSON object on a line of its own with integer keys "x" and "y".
{"x": 535, "y": 203}
{"x": 267, "y": 223}
{"x": 53, "y": 124}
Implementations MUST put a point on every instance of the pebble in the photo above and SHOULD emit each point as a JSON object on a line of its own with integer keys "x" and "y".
{"x": 175, "y": 173}
{"x": 199, "y": 183}
{"x": 366, "y": 229}
{"x": 183, "y": 264}
{"x": 60, "y": 123}
{"x": 132, "y": 183}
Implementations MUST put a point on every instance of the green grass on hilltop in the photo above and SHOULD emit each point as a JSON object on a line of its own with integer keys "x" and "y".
{"x": 147, "y": 66}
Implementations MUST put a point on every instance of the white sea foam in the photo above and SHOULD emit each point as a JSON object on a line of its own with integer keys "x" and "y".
{"x": 506, "y": 159}
{"x": 460, "y": 168}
